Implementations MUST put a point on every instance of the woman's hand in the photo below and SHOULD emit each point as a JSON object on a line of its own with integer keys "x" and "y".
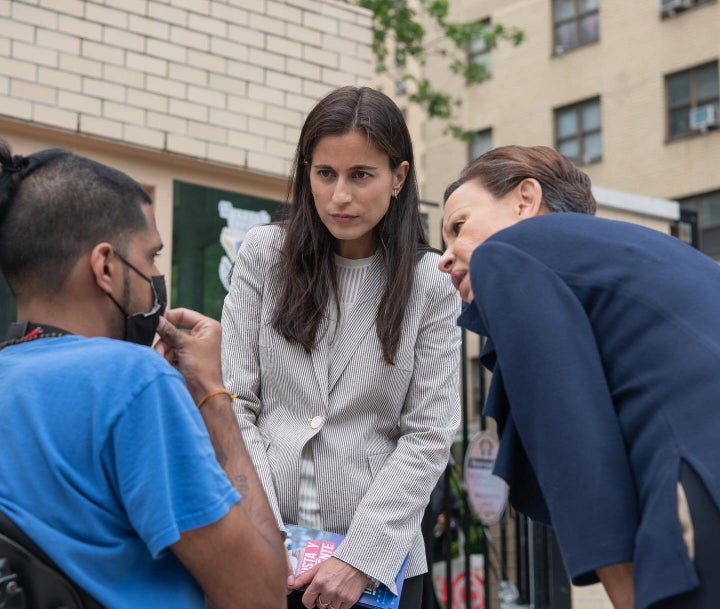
{"x": 618, "y": 582}
{"x": 333, "y": 584}
{"x": 291, "y": 573}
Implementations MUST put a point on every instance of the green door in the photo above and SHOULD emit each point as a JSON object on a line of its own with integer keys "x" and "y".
{"x": 208, "y": 226}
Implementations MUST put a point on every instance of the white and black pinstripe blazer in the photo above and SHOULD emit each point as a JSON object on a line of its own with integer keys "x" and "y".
{"x": 381, "y": 434}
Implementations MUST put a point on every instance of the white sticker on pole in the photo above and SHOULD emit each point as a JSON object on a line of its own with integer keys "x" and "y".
{"x": 487, "y": 493}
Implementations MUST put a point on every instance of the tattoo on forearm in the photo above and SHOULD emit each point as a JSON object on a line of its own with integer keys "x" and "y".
{"x": 240, "y": 482}
{"x": 220, "y": 454}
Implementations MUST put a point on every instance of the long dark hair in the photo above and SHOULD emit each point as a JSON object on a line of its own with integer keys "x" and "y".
{"x": 307, "y": 265}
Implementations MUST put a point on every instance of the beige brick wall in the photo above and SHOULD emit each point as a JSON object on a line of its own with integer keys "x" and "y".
{"x": 226, "y": 81}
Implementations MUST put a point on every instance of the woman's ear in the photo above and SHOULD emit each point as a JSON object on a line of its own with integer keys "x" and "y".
{"x": 529, "y": 201}
{"x": 400, "y": 174}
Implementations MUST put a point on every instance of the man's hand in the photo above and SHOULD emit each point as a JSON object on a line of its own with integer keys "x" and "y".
{"x": 333, "y": 584}
{"x": 194, "y": 352}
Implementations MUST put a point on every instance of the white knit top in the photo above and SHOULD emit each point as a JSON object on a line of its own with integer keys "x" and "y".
{"x": 351, "y": 275}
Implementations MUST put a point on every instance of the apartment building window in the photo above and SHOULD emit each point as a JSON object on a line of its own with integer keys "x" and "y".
{"x": 578, "y": 133}
{"x": 692, "y": 100}
{"x": 706, "y": 207}
{"x": 480, "y": 143}
{"x": 686, "y": 227}
{"x": 401, "y": 87}
{"x": 670, "y": 8}
{"x": 576, "y": 22}
{"x": 479, "y": 51}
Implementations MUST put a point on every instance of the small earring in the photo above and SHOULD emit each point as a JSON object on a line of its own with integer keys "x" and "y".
{"x": 395, "y": 193}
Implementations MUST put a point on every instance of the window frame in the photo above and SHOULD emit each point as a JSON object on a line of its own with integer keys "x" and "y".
{"x": 670, "y": 13}
{"x": 484, "y": 56}
{"x": 479, "y": 133}
{"x": 580, "y": 134}
{"x": 694, "y": 101}
{"x": 694, "y": 203}
{"x": 577, "y": 18}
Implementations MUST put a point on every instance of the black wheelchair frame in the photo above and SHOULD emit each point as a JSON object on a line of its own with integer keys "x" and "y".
{"x": 29, "y": 579}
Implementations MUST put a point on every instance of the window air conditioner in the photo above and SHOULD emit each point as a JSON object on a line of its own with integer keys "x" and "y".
{"x": 703, "y": 117}
{"x": 669, "y": 7}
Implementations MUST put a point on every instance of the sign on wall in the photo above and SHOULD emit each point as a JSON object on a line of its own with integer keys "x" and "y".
{"x": 209, "y": 225}
{"x": 239, "y": 222}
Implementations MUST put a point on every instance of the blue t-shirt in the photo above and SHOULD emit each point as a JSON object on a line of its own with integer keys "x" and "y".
{"x": 104, "y": 461}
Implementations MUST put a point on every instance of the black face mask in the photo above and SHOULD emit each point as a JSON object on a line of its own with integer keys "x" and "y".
{"x": 140, "y": 327}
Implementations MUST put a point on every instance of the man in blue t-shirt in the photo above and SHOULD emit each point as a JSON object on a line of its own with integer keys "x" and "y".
{"x": 106, "y": 462}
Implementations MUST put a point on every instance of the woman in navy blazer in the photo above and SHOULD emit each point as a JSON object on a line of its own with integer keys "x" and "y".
{"x": 604, "y": 342}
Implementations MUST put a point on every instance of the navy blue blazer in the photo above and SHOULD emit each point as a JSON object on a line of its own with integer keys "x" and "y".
{"x": 604, "y": 342}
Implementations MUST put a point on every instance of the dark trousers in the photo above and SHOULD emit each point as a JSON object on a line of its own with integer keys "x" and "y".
{"x": 706, "y": 523}
{"x": 410, "y": 597}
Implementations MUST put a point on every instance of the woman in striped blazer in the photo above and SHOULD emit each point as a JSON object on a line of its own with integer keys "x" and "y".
{"x": 340, "y": 339}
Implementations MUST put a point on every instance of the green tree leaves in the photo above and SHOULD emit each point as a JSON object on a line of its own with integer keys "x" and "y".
{"x": 399, "y": 36}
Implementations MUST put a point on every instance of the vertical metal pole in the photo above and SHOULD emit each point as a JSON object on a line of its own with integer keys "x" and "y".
{"x": 481, "y": 397}
{"x": 522, "y": 552}
{"x": 503, "y": 547}
{"x": 483, "y": 427}
{"x": 447, "y": 538}
{"x": 466, "y": 523}
{"x": 531, "y": 562}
